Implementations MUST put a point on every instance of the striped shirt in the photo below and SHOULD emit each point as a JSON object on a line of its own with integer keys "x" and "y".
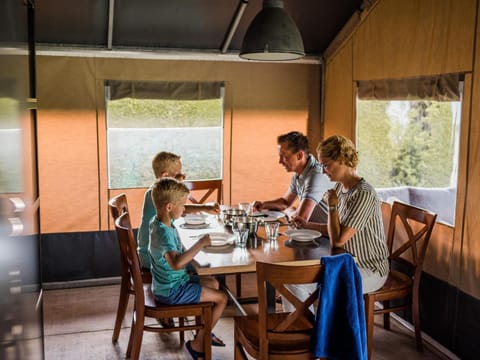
{"x": 359, "y": 208}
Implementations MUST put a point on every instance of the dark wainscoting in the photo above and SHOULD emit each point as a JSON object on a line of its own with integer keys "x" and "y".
{"x": 79, "y": 256}
{"x": 449, "y": 316}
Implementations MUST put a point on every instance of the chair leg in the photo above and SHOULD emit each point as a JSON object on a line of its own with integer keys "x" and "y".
{"x": 238, "y": 285}
{"x": 207, "y": 344}
{"x": 239, "y": 353}
{"x": 137, "y": 330}
{"x": 369, "y": 316}
{"x": 121, "y": 309}
{"x": 386, "y": 316}
{"x": 181, "y": 322}
{"x": 130, "y": 338}
{"x": 416, "y": 324}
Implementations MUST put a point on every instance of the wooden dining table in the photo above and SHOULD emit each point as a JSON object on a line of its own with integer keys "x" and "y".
{"x": 229, "y": 259}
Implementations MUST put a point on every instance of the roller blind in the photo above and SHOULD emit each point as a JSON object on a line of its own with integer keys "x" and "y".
{"x": 119, "y": 89}
{"x": 445, "y": 87}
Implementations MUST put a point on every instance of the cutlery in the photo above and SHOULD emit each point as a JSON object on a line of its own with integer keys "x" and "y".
{"x": 259, "y": 215}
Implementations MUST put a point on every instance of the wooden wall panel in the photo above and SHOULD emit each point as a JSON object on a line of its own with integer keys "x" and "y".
{"x": 415, "y": 37}
{"x": 339, "y": 95}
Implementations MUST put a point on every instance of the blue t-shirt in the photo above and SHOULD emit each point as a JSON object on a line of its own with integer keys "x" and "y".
{"x": 162, "y": 240}
{"x": 143, "y": 236}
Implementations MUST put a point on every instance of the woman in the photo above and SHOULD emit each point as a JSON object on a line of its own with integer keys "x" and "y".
{"x": 354, "y": 215}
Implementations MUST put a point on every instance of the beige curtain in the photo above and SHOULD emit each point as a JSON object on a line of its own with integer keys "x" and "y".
{"x": 440, "y": 88}
{"x": 164, "y": 90}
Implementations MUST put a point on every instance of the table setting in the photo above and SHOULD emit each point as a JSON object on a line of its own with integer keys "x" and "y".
{"x": 303, "y": 238}
{"x": 240, "y": 230}
{"x": 196, "y": 221}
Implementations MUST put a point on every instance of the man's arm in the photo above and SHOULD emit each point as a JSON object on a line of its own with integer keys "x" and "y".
{"x": 304, "y": 210}
{"x": 279, "y": 204}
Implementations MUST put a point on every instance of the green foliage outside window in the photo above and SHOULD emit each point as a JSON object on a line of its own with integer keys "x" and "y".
{"x": 11, "y": 173}
{"x": 138, "y": 129}
{"x": 164, "y": 113}
{"x": 408, "y": 143}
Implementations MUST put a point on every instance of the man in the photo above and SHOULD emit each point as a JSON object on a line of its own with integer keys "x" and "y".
{"x": 308, "y": 184}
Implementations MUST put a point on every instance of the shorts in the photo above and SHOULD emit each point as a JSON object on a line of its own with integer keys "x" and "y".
{"x": 371, "y": 280}
{"x": 188, "y": 293}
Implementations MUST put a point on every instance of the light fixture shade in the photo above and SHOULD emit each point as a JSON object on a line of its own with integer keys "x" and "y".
{"x": 272, "y": 35}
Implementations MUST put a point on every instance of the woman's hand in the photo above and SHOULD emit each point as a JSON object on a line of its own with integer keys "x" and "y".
{"x": 330, "y": 197}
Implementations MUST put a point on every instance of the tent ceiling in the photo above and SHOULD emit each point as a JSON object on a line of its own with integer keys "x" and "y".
{"x": 196, "y": 25}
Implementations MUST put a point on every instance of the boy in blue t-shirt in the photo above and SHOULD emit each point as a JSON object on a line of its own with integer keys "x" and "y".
{"x": 171, "y": 283}
{"x": 164, "y": 164}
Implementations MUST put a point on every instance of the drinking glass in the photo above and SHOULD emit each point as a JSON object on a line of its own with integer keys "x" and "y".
{"x": 245, "y": 206}
{"x": 271, "y": 229}
{"x": 241, "y": 237}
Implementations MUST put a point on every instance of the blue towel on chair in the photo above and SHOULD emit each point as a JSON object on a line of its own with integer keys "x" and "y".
{"x": 340, "y": 330}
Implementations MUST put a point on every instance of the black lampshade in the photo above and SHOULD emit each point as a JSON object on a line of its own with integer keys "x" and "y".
{"x": 272, "y": 35}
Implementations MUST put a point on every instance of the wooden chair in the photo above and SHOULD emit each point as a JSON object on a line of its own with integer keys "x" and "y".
{"x": 145, "y": 305}
{"x": 207, "y": 187}
{"x": 118, "y": 206}
{"x": 408, "y": 235}
{"x": 278, "y": 335}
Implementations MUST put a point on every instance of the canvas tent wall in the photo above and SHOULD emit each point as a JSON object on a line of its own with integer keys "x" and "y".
{"x": 408, "y": 39}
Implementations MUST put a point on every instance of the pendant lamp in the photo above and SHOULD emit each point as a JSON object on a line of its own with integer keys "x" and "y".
{"x": 272, "y": 35}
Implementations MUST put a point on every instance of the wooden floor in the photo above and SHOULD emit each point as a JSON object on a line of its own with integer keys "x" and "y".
{"x": 78, "y": 324}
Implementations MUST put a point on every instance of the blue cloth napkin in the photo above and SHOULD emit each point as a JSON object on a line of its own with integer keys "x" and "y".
{"x": 340, "y": 330}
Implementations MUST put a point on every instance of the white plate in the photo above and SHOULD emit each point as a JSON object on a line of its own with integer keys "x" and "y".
{"x": 195, "y": 227}
{"x": 268, "y": 215}
{"x": 195, "y": 219}
{"x": 303, "y": 235}
{"x": 220, "y": 239}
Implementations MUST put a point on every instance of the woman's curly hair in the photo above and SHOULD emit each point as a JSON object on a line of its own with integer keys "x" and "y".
{"x": 339, "y": 148}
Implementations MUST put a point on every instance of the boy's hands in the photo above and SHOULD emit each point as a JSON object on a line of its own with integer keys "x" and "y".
{"x": 205, "y": 240}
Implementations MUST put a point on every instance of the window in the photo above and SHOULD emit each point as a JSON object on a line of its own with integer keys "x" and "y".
{"x": 145, "y": 118}
{"x": 408, "y": 141}
{"x": 11, "y": 173}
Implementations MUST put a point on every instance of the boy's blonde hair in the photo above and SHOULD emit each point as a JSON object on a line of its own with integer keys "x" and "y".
{"x": 164, "y": 162}
{"x": 167, "y": 190}
{"x": 339, "y": 148}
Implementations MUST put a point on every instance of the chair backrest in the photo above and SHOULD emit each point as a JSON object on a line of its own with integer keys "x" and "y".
{"x": 128, "y": 249}
{"x": 408, "y": 235}
{"x": 118, "y": 205}
{"x": 297, "y": 326}
{"x": 208, "y": 187}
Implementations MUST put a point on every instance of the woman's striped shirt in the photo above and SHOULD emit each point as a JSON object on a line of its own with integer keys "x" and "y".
{"x": 359, "y": 208}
